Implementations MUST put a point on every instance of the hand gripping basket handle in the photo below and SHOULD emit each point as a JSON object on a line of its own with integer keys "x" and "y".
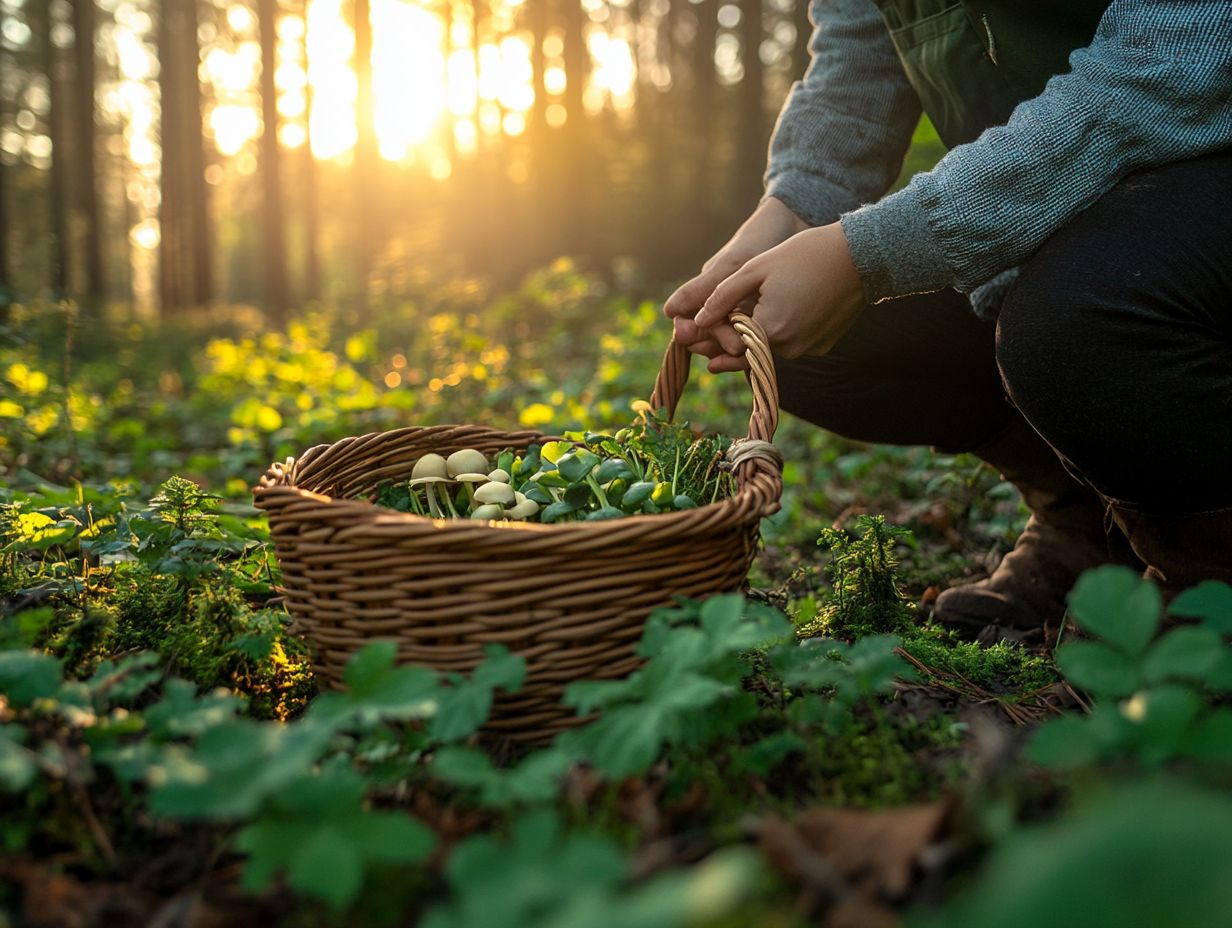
{"x": 760, "y": 465}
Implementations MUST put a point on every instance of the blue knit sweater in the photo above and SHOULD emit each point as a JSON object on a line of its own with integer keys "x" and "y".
{"x": 1155, "y": 86}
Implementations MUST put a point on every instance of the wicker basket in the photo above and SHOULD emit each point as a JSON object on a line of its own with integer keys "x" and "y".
{"x": 571, "y": 598}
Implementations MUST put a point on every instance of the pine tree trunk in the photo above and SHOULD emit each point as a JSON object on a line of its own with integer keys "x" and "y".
{"x": 751, "y": 149}
{"x": 185, "y": 277}
{"x": 577, "y": 151}
{"x": 57, "y": 256}
{"x": 705, "y": 85}
{"x": 87, "y": 180}
{"x": 271, "y": 173}
{"x": 200, "y": 231}
{"x": 171, "y": 181}
{"x": 6, "y": 285}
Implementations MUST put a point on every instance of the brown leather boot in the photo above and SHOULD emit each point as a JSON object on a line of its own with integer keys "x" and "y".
{"x": 1180, "y": 549}
{"x": 1065, "y": 535}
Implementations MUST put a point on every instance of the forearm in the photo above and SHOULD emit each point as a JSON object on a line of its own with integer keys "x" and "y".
{"x": 1155, "y": 86}
{"x": 841, "y": 136}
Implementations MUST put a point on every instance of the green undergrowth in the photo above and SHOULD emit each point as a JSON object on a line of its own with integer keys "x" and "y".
{"x": 159, "y": 717}
{"x": 95, "y": 573}
{"x": 866, "y": 598}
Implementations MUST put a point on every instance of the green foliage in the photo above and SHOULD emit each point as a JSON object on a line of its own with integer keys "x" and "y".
{"x": 1149, "y": 693}
{"x": 317, "y": 831}
{"x": 545, "y": 877}
{"x": 1138, "y": 856}
{"x": 866, "y": 598}
{"x": 1004, "y": 667}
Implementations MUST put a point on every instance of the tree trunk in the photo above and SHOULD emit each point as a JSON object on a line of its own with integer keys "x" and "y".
{"x": 579, "y": 169}
{"x": 184, "y": 250}
{"x": 57, "y": 256}
{"x": 751, "y": 147}
{"x": 366, "y": 153}
{"x": 271, "y": 172}
{"x": 6, "y": 285}
{"x": 87, "y": 181}
{"x": 312, "y": 256}
{"x": 202, "y": 287}
{"x": 705, "y": 85}
{"x": 171, "y": 180}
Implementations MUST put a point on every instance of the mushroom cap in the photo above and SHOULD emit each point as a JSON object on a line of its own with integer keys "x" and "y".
{"x": 430, "y": 465}
{"x": 500, "y": 475}
{"x": 467, "y": 461}
{"x": 471, "y": 478}
{"x": 523, "y": 510}
{"x": 493, "y": 492}
{"x": 421, "y": 480}
{"x": 490, "y": 512}
{"x": 518, "y": 497}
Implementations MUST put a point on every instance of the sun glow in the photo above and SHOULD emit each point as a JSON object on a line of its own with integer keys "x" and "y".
{"x": 427, "y": 86}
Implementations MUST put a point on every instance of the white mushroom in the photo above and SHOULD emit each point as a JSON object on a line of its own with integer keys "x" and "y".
{"x": 430, "y": 465}
{"x": 490, "y": 512}
{"x": 499, "y": 475}
{"x": 523, "y": 510}
{"x": 467, "y": 461}
{"x": 500, "y": 493}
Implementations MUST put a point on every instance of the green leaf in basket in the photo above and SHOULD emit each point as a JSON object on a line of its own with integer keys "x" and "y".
{"x": 577, "y": 464}
{"x": 537, "y": 493}
{"x": 555, "y": 450}
{"x": 530, "y": 462}
{"x": 552, "y": 479}
{"x": 613, "y": 469}
{"x": 637, "y": 494}
{"x": 607, "y": 512}
{"x": 616, "y": 491}
{"x": 556, "y": 512}
{"x": 578, "y": 497}
{"x": 683, "y": 502}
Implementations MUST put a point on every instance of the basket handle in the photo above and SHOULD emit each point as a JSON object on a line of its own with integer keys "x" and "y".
{"x": 764, "y": 418}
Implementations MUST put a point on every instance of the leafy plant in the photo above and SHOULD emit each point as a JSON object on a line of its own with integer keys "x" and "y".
{"x": 1143, "y": 854}
{"x": 866, "y": 597}
{"x": 1149, "y": 693}
{"x": 545, "y": 877}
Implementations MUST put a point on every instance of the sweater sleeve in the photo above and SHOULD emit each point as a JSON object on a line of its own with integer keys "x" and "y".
{"x": 840, "y": 138}
{"x": 1154, "y": 87}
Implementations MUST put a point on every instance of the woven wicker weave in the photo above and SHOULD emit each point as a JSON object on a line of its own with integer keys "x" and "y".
{"x": 571, "y": 598}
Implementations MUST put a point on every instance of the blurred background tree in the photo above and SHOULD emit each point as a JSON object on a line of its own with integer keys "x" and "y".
{"x": 160, "y": 155}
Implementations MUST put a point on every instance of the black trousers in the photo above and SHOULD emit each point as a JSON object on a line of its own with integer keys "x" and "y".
{"x": 1115, "y": 343}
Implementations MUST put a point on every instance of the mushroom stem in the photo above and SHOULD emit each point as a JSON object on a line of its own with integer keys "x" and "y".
{"x": 416, "y": 505}
{"x": 433, "y": 506}
{"x": 449, "y": 504}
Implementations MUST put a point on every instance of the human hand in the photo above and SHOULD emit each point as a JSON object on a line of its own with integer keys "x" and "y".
{"x": 806, "y": 293}
{"x": 771, "y": 224}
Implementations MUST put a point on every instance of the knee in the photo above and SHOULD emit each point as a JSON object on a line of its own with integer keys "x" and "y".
{"x": 1043, "y": 332}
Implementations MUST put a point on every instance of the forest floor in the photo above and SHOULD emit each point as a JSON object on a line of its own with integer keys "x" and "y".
{"x": 815, "y": 751}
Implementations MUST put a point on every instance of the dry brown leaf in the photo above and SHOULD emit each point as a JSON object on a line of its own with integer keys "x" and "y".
{"x": 879, "y": 848}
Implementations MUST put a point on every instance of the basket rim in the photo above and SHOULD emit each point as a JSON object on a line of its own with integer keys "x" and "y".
{"x": 746, "y": 505}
